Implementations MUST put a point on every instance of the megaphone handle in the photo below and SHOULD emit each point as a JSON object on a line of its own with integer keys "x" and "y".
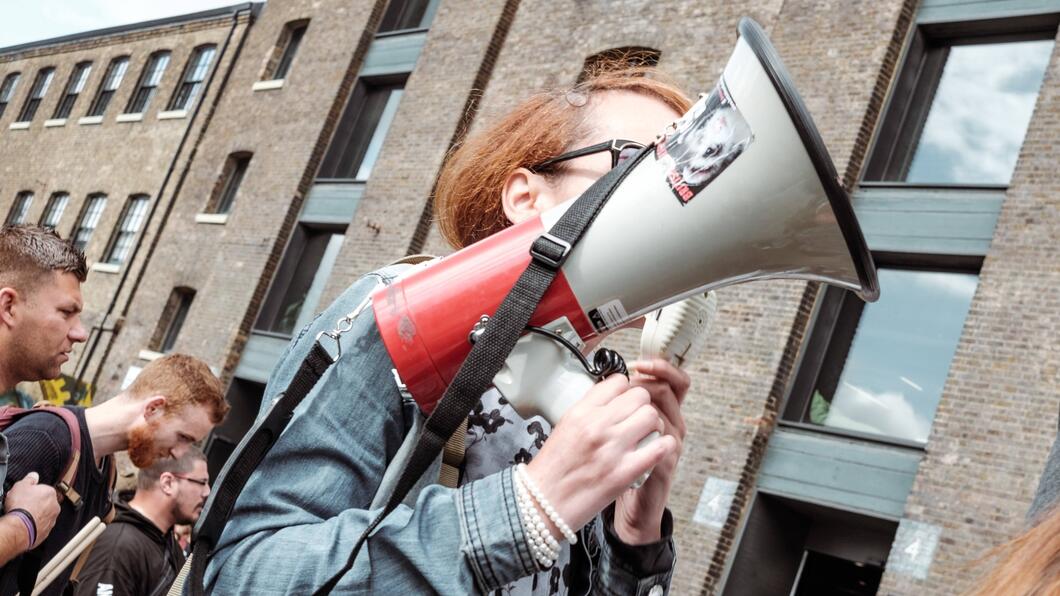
{"x": 643, "y": 443}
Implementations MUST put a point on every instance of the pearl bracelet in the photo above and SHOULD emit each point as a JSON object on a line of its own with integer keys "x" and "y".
{"x": 542, "y": 545}
{"x": 520, "y": 472}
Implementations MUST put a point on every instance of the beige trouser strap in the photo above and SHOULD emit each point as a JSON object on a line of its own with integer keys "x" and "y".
{"x": 453, "y": 457}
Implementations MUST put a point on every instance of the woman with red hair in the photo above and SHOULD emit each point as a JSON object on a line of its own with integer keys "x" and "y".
{"x": 540, "y": 510}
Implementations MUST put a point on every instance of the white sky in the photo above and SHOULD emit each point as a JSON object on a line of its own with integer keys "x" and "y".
{"x": 25, "y": 21}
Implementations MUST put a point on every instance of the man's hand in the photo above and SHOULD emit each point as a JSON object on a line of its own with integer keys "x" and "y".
{"x": 40, "y": 500}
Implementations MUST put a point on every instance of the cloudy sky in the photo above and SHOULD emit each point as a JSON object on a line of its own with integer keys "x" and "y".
{"x": 42, "y": 19}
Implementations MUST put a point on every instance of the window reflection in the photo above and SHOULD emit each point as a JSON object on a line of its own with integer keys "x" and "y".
{"x": 899, "y": 357}
{"x": 980, "y": 113}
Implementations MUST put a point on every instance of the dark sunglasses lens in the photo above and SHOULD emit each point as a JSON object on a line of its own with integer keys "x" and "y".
{"x": 627, "y": 153}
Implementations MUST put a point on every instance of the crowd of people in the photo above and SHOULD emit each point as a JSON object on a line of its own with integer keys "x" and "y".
{"x": 536, "y": 509}
{"x": 59, "y": 471}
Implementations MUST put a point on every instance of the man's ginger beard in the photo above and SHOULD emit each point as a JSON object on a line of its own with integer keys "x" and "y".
{"x": 142, "y": 451}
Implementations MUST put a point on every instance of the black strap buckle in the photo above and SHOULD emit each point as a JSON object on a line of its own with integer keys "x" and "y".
{"x": 550, "y": 251}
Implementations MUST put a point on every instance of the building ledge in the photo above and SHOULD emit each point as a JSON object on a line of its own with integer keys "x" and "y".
{"x": 19, "y": 125}
{"x": 219, "y": 219}
{"x": 130, "y": 117}
{"x": 172, "y": 114}
{"x": 267, "y": 85}
{"x": 55, "y": 122}
{"x": 90, "y": 120}
{"x": 149, "y": 355}
{"x": 106, "y": 267}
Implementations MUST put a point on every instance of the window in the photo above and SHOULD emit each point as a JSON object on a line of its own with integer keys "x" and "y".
{"x": 53, "y": 211}
{"x": 128, "y": 226}
{"x": 172, "y": 319}
{"x": 289, "y": 41}
{"x": 960, "y": 110}
{"x": 86, "y": 224}
{"x": 360, "y": 134}
{"x": 7, "y": 90}
{"x": 299, "y": 282}
{"x": 194, "y": 75}
{"x": 149, "y": 80}
{"x": 232, "y": 177}
{"x": 408, "y": 14}
{"x": 619, "y": 58}
{"x": 20, "y": 208}
{"x": 36, "y": 94}
{"x": 879, "y": 369}
{"x": 111, "y": 81}
{"x": 74, "y": 87}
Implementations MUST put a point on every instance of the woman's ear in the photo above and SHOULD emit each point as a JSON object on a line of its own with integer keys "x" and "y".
{"x": 524, "y": 195}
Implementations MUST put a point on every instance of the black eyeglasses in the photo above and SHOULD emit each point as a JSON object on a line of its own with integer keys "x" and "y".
{"x": 195, "y": 480}
{"x": 621, "y": 150}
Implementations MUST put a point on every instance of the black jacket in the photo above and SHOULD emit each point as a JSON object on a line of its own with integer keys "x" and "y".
{"x": 131, "y": 558}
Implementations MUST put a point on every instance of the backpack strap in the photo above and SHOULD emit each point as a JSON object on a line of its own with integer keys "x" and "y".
{"x": 453, "y": 457}
{"x": 65, "y": 486}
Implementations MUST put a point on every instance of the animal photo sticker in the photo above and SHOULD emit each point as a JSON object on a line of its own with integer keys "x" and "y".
{"x": 703, "y": 143}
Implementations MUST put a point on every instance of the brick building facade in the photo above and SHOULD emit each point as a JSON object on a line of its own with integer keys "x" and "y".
{"x": 306, "y": 153}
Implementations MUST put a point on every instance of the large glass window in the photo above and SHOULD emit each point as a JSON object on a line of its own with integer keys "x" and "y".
{"x": 74, "y": 87}
{"x": 89, "y": 219}
{"x": 359, "y": 138}
{"x": 292, "y": 38}
{"x": 408, "y": 14}
{"x": 299, "y": 283}
{"x": 172, "y": 319}
{"x": 960, "y": 111}
{"x": 149, "y": 81}
{"x": 132, "y": 218}
{"x": 194, "y": 75}
{"x": 20, "y": 208}
{"x": 880, "y": 368}
{"x": 111, "y": 81}
{"x": 7, "y": 90}
{"x": 53, "y": 211}
{"x": 36, "y": 94}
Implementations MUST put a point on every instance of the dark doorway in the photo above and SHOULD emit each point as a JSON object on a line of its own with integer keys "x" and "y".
{"x": 825, "y": 575}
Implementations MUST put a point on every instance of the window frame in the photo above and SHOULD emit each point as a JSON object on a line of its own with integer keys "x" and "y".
{"x": 232, "y": 176}
{"x": 289, "y": 269}
{"x": 58, "y": 201}
{"x": 187, "y": 90}
{"x": 145, "y": 91}
{"x": 349, "y": 127}
{"x": 396, "y": 11}
{"x": 905, "y": 114}
{"x": 8, "y": 85}
{"x": 287, "y": 49}
{"x": 75, "y": 84}
{"x": 23, "y": 201}
{"x": 85, "y": 213}
{"x": 36, "y": 94}
{"x": 127, "y": 213}
{"x": 834, "y": 307}
{"x": 105, "y": 93}
{"x": 171, "y": 322}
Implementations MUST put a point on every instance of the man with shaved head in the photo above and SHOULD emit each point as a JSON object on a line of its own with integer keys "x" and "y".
{"x": 40, "y": 306}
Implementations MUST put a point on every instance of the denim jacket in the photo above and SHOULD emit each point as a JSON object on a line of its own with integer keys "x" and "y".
{"x": 307, "y": 503}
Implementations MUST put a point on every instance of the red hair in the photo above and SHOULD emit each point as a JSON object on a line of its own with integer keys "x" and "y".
{"x": 467, "y": 200}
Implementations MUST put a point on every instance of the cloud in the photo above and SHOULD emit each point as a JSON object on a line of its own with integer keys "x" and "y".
{"x": 889, "y": 413}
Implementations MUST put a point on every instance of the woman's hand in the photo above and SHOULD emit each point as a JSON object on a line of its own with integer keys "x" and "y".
{"x": 591, "y": 457}
{"x": 638, "y": 512}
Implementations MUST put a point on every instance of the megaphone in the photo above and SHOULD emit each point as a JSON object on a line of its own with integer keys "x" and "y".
{"x": 741, "y": 188}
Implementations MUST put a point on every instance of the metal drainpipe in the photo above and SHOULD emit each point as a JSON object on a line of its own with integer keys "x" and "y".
{"x": 99, "y": 329}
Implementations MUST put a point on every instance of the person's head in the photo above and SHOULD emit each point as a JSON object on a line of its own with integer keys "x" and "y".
{"x": 180, "y": 484}
{"x": 40, "y": 303}
{"x": 490, "y": 181}
{"x": 1027, "y": 564}
{"x": 180, "y": 400}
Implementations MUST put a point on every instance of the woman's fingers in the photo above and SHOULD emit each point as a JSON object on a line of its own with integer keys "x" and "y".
{"x": 666, "y": 372}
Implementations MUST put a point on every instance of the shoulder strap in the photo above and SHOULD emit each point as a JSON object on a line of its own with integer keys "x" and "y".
{"x": 452, "y": 457}
{"x": 65, "y": 485}
{"x": 489, "y": 352}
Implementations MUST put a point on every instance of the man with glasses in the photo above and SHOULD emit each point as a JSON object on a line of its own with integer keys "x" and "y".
{"x": 138, "y": 553}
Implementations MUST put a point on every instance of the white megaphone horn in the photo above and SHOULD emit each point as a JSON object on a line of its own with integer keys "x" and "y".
{"x": 740, "y": 189}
